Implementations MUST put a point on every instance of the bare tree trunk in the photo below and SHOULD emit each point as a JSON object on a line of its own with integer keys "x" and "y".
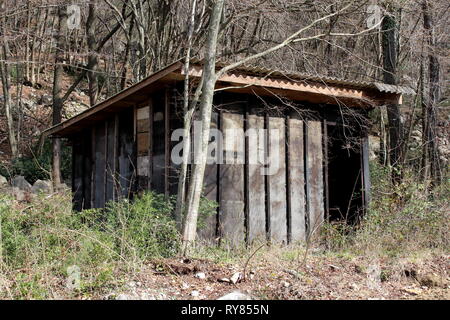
{"x": 188, "y": 112}
{"x": 209, "y": 82}
{"x": 389, "y": 44}
{"x": 6, "y": 85}
{"x": 58, "y": 94}
{"x": 92, "y": 57}
{"x": 431, "y": 152}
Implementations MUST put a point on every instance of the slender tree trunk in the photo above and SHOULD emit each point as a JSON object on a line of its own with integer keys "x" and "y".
{"x": 188, "y": 112}
{"x": 6, "y": 85}
{"x": 431, "y": 152}
{"x": 58, "y": 93}
{"x": 389, "y": 44}
{"x": 209, "y": 82}
{"x": 92, "y": 57}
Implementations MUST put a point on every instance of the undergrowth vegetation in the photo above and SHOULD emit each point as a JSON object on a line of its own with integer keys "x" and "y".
{"x": 41, "y": 241}
{"x": 401, "y": 219}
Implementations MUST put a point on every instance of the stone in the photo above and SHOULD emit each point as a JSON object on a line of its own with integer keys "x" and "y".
{"x": 235, "y": 278}
{"x": 200, "y": 275}
{"x": 18, "y": 194}
{"x": 236, "y": 295}
{"x": 42, "y": 186}
{"x": 21, "y": 183}
{"x": 3, "y": 181}
{"x": 45, "y": 99}
{"x": 195, "y": 293}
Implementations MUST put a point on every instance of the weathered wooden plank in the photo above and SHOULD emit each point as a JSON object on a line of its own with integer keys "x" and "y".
{"x": 232, "y": 216}
{"x": 150, "y": 143}
{"x": 110, "y": 159}
{"x": 77, "y": 175}
{"x": 100, "y": 166}
{"x": 314, "y": 176}
{"x": 256, "y": 223}
{"x": 167, "y": 142}
{"x": 87, "y": 169}
{"x": 158, "y": 142}
{"x": 277, "y": 185}
{"x": 126, "y": 153}
{"x": 365, "y": 171}
{"x": 296, "y": 180}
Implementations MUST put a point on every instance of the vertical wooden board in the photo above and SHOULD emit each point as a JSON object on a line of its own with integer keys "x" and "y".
{"x": 158, "y": 157}
{"x": 87, "y": 169}
{"x": 314, "y": 179}
{"x": 150, "y": 143}
{"x": 277, "y": 185}
{"x": 77, "y": 175}
{"x": 208, "y": 232}
{"x": 110, "y": 160}
{"x": 256, "y": 188}
{"x": 167, "y": 142}
{"x": 176, "y": 122}
{"x": 365, "y": 171}
{"x": 232, "y": 215}
{"x": 297, "y": 180}
{"x": 100, "y": 166}
{"x": 126, "y": 153}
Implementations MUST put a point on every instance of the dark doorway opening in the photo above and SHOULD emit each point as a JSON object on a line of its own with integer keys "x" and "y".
{"x": 345, "y": 198}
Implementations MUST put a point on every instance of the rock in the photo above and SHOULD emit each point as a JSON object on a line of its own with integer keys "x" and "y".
{"x": 285, "y": 284}
{"x": 195, "y": 293}
{"x": 45, "y": 99}
{"x": 18, "y": 194}
{"x": 224, "y": 280}
{"x": 236, "y": 295}
{"x": 200, "y": 275}
{"x": 3, "y": 181}
{"x": 21, "y": 183}
{"x": 42, "y": 186}
{"x": 235, "y": 278}
{"x": 62, "y": 188}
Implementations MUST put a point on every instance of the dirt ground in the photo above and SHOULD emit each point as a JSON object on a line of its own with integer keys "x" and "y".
{"x": 284, "y": 275}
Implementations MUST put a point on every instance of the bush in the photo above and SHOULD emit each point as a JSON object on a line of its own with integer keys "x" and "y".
{"x": 401, "y": 218}
{"x": 40, "y": 240}
{"x": 39, "y": 167}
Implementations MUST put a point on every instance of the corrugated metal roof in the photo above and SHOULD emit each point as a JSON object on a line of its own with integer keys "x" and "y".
{"x": 260, "y": 71}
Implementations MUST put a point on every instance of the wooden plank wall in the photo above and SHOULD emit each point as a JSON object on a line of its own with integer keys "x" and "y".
{"x": 253, "y": 206}
{"x": 296, "y": 180}
{"x": 256, "y": 199}
{"x": 284, "y": 206}
{"x": 277, "y": 175}
{"x": 100, "y": 165}
{"x": 231, "y": 180}
{"x": 314, "y": 176}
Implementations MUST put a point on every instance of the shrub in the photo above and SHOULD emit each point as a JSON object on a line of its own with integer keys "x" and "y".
{"x": 38, "y": 167}
{"x": 401, "y": 218}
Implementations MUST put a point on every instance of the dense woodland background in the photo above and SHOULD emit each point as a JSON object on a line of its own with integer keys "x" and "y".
{"x": 53, "y": 66}
{"x": 51, "y": 71}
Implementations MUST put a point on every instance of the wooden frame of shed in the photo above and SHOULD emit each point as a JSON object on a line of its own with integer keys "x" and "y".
{"x": 123, "y": 146}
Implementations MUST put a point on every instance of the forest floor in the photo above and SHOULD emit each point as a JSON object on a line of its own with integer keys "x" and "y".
{"x": 280, "y": 273}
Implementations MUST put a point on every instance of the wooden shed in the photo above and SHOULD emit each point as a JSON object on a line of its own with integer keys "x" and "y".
{"x": 124, "y": 145}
